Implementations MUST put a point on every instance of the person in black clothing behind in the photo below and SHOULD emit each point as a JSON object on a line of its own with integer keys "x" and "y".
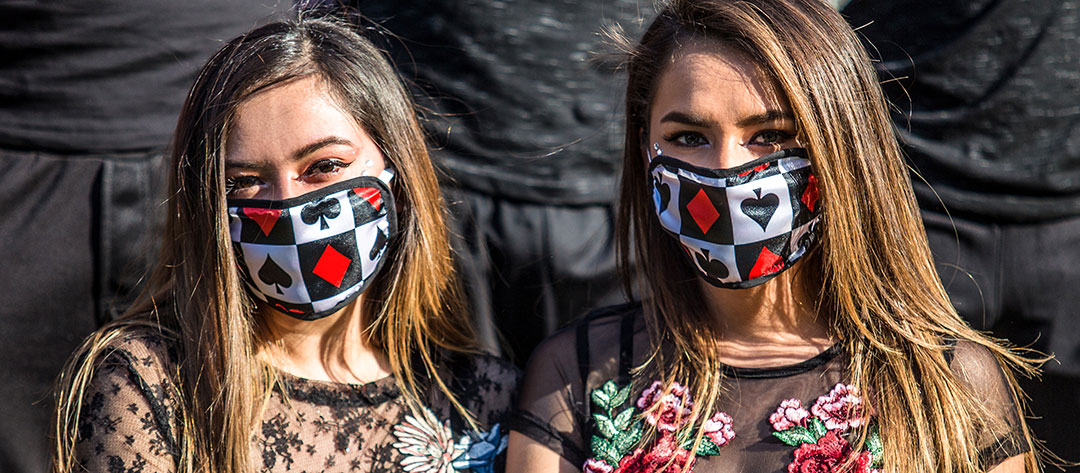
{"x": 986, "y": 98}
{"x": 90, "y": 93}
{"x": 524, "y": 118}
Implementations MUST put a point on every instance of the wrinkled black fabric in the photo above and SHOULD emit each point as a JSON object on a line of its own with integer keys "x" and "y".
{"x": 986, "y": 98}
{"x": 107, "y": 75}
{"x": 523, "y": 102}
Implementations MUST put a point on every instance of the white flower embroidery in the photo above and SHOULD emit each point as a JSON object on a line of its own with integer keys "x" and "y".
{"x": 427, "y": 444}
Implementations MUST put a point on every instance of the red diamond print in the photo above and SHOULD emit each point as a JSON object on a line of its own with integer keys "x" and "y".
{"x": 810, "y": 195}
{"x": 265, "y": 218}
{"x": 702, "y": 210}
{"x": 767, "y": 263}
{"x": 332, "y": 266}
{"x": 371, "y": 195}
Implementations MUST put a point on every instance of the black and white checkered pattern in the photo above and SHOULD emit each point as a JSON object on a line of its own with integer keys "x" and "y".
{"x": 311, "y": 255}
{"x": 743, "y": 225}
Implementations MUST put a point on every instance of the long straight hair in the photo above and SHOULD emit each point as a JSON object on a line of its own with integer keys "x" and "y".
{"x": 872, "y": 273}
{"x": 194, "y": 294}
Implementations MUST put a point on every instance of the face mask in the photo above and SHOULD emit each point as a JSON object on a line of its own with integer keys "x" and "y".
{"x": 311, "y": 255}
{"x": 741, "y": 226}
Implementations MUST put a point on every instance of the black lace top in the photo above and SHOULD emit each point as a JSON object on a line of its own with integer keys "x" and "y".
{"x": 128, "y": 422}
{"x": 579, "y": 399}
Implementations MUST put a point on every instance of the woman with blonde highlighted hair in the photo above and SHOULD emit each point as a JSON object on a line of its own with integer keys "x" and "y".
{"x": 791, "y": 318}
{"x": 304, "y": 314}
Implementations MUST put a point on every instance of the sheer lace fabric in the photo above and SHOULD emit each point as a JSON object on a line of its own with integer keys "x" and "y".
{"x": 560, "y": 408}
{"x": 129, "y": 422}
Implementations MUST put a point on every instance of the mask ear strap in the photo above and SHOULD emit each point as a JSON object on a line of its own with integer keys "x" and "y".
{"x": 386, "y": 175}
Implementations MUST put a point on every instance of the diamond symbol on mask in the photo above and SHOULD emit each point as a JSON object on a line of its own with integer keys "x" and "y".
{"x": 767, "y": 263}
{"x": 370, "y": 194}
{"x": 332, "y": 266}
{"x": 702, "y": 211}
{"x": 810, "y": 195}
{"x": 264, "y": 218}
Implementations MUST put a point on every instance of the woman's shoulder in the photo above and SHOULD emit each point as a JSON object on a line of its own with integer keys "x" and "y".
{"x": 144, "y": 351}
{"x": 486, "y": 385}
{"x": 597, "y": 337}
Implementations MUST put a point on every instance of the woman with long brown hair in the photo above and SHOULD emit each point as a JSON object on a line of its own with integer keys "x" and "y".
{"x": 791, "y": 317}
{"x": 304, "y": 313}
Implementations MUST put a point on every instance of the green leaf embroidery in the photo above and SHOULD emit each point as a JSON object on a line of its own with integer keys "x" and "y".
{"x": 605, "y": 426}
{"x": 818, "y": 428}
{"x": 626, "y": 442}
{"x": 796, "y": 436}
{"x": 605, "y": 451}
{"x": 601, "y": 399}
{"x": 874, "y": 446}
{"x": 621, "y": 396}
{"x": 707, "y": 447}
{"x": 622, "y": 421}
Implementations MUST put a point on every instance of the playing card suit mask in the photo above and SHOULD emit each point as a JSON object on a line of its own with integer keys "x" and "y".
{"x": 311, "y": 255}
{"x": 740, "y": 226}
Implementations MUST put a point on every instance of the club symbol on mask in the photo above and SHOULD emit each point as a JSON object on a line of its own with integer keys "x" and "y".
{"x": 380, "y": 243}
{"x": 320, "y": 212}
{"x": 663, "y": 191}
{"x": 714, "y": 268}
{"x": 272, "y": 275}
{"x": 761, "y": 209}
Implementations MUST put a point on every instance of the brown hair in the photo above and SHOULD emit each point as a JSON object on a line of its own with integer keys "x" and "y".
{"x": 872, "y": 272}
{"x": 194, "y": 294}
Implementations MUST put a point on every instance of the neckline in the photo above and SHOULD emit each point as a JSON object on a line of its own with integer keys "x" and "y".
{"x": 330, "y": 393}
{"x": 784, "y": 370}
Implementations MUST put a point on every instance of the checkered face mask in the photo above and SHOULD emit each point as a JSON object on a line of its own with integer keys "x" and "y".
{"x": 311, "y": 255}
{"x": 741, "y": 226}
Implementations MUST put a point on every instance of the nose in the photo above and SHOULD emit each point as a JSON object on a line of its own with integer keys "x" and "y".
{"x": 731, "y": 152}
{"x": 281, "y": 187}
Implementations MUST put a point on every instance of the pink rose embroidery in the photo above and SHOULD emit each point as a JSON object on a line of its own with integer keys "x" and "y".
{"x": 672, "y": 409}
{"x": 840, "y": 409}
{"x": 718, "y": 429}
{"x": 828, "y": 456}
{"x": 654, "y": 458}
{"x": 789, "y": 414}
{"x": 593, "y": 465}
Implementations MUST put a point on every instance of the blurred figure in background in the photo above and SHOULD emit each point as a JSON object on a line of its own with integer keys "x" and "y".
{"x": 90, "y": 93}
{"x": 986, "y": 97}
{"x": 523, "y": 116}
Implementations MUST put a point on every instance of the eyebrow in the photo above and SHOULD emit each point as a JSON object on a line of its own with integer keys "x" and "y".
{"x": 296, "y": 155}
{"x": 702, "y": 122}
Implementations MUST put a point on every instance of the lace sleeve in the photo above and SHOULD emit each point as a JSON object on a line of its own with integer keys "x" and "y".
{"x": 126, "y": 423}
{"x": 551, "y": 399}
{"x": 1000, "y": 432}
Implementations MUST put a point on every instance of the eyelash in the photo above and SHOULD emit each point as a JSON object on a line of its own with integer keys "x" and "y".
{"x": 233, "y": 184}
{"x": 781, "y": 137}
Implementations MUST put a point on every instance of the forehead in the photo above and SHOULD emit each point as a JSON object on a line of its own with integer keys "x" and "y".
{"x": 708, "y": 75}
{"x": 286, "y": 116}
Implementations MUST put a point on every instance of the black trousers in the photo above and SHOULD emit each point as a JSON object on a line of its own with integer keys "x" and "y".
{"x": 1021, "y": 281}
{"x": 76, "y": 233}
{"x": 530, "y": 268}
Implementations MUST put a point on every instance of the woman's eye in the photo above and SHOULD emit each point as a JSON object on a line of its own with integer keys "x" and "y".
{"x": 327, "y": 166}
{"x": 690, "y": 139}
{"x": 771, "y": 137}
{"x": 236, "y": 185}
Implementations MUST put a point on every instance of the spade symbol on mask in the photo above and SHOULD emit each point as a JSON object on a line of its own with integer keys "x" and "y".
{"x": 380, "y": 243}
{"x": 272, "y": 275}
{"x": 713, "y": 268}
{"x": 664, "y": 191}
{"x": 321, "y": 211}
{"x": 761, "y": 209}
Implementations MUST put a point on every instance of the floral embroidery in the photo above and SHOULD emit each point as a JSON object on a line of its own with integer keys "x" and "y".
{"x": 668, "y": 410}
{"x": 822, "y": 445}
{"x": 427, "y": 445}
